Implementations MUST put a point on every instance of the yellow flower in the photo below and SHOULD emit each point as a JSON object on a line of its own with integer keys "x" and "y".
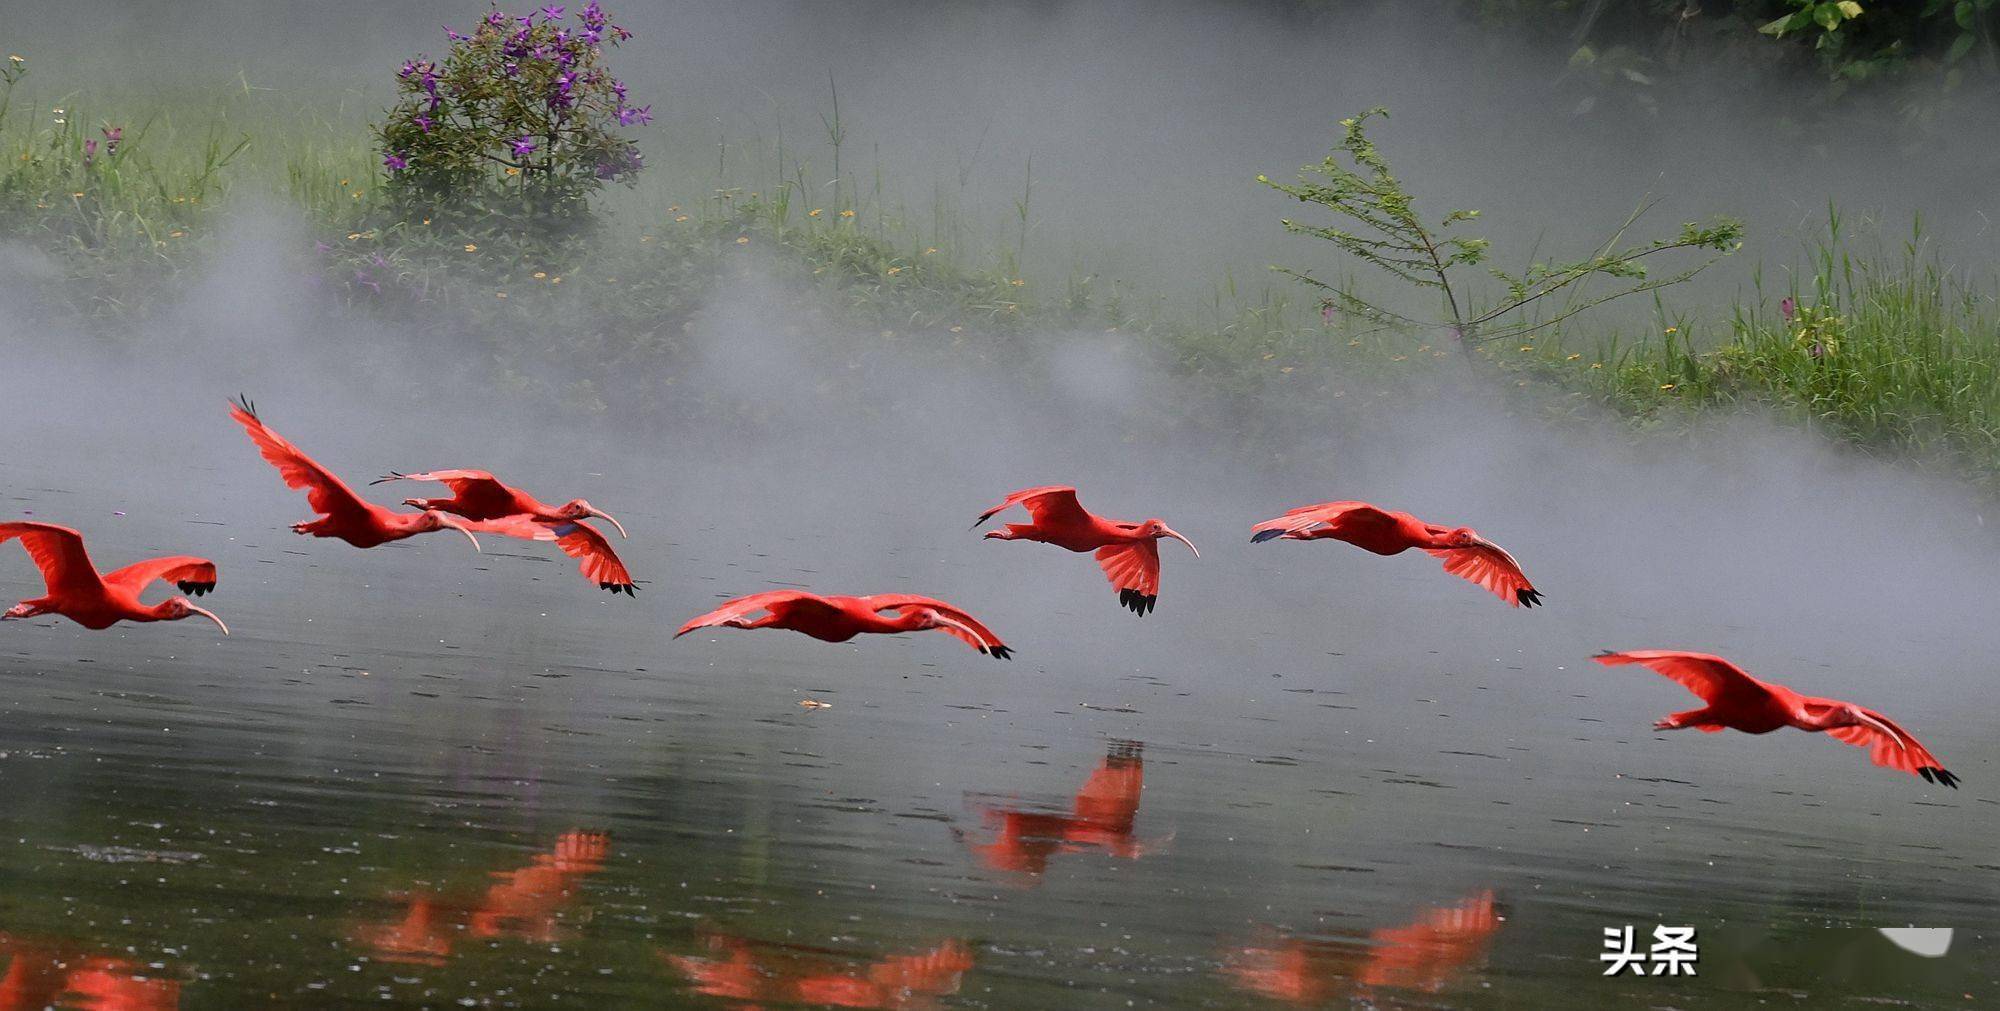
{"x": 671, "y": 208}
{"x": 958, "y": 329}
{"x": 645, "y": 238}
{"x": 1354, "y": 343}
{"x": 343, "y": 182}
{"x": 175, "y": 234}
{"x": 1666, "y": 386}
{"x": 351, "y": 236}
{"x": 846, "y": 214}
{"x": 1596, "y": 365}
{"x": 814, "y": 213}
{"x": 893, "y": 271}
{"x": 78, "y": 194}
{"x": 1572, "y": 358}
{"x": 556, "y": 279}
{"x": 499, "y": 294}
{"x": 1527, "y": 347}
{"x": 541, "y": 275}
{"x": 15, "y": 58}
{"x": 931, "y": 250}
{"x": 471, "y": 248}
{"x": 1399, "y": 358}
{"x": 512, "y": 171}
{"x": 1017, "y": 282}
{"x": 1673, "y": 329}
{"x": 677, "y": 218}
{"x": 743, "y": 240}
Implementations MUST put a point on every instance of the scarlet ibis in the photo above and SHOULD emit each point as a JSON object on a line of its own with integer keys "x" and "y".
{"x": 1128, "y": 552}
{"x": 1424, "y": 955}
{"x": 79, "y": 593}
{"x": 63, "y": 973}
{"x": 1100, "y": 817}
{"x": 1466, "y": 554}
{"x": 345, "y": 514}
{"x": 1737, "y": 701}
{"x": 743, "y": 969}
{"x": 496, "y": 508}
{"x": 838, "y": 619}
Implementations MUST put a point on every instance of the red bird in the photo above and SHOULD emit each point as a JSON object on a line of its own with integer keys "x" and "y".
{"x": 78, "y": 593}
{"x": 497, "y": 508}
{"x": 345, "y": 515}
{"x": 1465, "y": 553}
{"x": 743, "y": 969}
{"x": 1101, "y": 817}
{"x": 838, "y": 619}
{"x": 1127, "y": 551}
{"x": 1737, "y": 701}
{"x": 1426, "y": 955}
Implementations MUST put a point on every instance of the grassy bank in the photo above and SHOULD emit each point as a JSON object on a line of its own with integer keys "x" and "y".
{"x": 1889, "y": 351}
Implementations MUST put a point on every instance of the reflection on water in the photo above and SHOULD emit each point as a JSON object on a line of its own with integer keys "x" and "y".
{"x": 524, "y": 903}
{"x": 1427, "y": 955}
{"x": 42, "y": 974}
{"x": 747, "y": 970}
{"x": 1100, "y": 818}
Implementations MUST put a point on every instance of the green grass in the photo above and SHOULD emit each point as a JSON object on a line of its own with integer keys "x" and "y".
{"x": 1890, "y": 352}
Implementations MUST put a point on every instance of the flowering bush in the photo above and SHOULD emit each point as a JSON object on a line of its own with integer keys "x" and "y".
{"x": 518, "y": 118}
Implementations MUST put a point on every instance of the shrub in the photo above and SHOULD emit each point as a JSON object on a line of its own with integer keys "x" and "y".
{"x": 518, "y": 120}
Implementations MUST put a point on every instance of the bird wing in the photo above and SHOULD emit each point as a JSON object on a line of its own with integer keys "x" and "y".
{"x": 324, "y": 492}
{"x": 194, "y": 576}
{"x": 1296, "y": 522}
{"x": 1895, "y": 749}
{"x": 1049, "y": 505}
{"x": 979, "y": 637}
{"x": 1711, "y": 677}
{"x": 1489, "y": 565}
{"x": 594, "y": 556}
{"x": 58, "y": 552}
{"x": 474, "y": 492}
{"x": 1134, "y": 569}
{"x": 743, "y": 607}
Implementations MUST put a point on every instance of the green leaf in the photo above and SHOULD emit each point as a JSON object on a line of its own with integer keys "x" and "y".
{"x": 1966, "y": 15}
{"x": 1849, "y": 9}
{"x": 1828, "y": 16}
{"x": 1959, "y": 47}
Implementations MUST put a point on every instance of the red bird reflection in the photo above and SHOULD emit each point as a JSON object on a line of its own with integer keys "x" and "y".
{"x": 1100, "y": 818}
{"x": 1424, "y": 955}
{"x": 739, "y": 968}
{"x": 65, "y": 974}
{"x": 524, "y": 903}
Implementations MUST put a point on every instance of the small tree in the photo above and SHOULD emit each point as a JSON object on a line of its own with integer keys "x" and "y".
{"x": 521, "y": 112}
{"x": 1377, "y": 222}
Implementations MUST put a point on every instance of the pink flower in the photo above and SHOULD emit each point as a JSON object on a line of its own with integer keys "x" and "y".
{"x": 1788, "y": 308}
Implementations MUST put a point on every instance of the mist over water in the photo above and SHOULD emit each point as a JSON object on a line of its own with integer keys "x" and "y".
{"x": 1332, "y": 742}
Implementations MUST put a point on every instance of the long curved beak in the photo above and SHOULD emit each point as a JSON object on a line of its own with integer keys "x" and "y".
{"x": 210, "y": 615}
{"x": 1176, "y": 535}
{"x": 460, "y": 527}
{"x": 607, "y": 517}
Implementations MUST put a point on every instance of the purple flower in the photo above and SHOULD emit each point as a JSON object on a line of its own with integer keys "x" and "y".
{"x": 554, "y": 13}
{"x": 497, "y": 19}
{"x": 641, "y": 115}
{"x": 361, "y": 278}
{"x": 1788, "y": 308}
{"x": 89, "y": 152}
{"x": 592, "y": 35}
{"x": 378, "y": 259}
{"x": 618, "y": 88}
{"x": 565, "y": 81}
{"x": 1326, "y": 312}
{"x": 562, "y": 36}
{"x": 320, "y": 246}
{"x": 423, "y": 122}
{"x": 408, "y": 69}
{"x": 593, "y": 15}
{"x": 454, "y": 36}
{"x": 527, "y": 21}
{"x": 394, "y": 162}
{"x": 524, "y": 146}
{"x": 621, "y": 33}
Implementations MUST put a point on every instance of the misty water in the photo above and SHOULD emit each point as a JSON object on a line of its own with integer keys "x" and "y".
{"x": 420, "y": 775}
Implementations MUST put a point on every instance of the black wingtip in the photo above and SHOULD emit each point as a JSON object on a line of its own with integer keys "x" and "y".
{"x": 1932, "y": 773}
{"x": 196, "y": 589}
{"x": 243, "y": 401}
{"x": 394, "y": 475}
{"x": 1000, "y": 652}
{"x": 1528, "y": 597}
{"x": 1137, "y": 602}
{"x": 1266, "y": 535}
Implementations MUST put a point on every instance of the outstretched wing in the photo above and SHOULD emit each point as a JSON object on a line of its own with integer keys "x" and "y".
{"x": 1300, "y": 523}
{"x": 1894, "y": 749}
{"x": 194, "y": 576}
{"x": 1049, "y": 505}
{"x": 1489, "y": 565}
{"x": 594, "y": 556}
{"x": 475, "y": 493}
{"x": 1135, "y": 570}
{"x": 743, "y": 607}
{"x": 58, "y": 552}
{"x": 1711, "y": 677}
{"x": 326, "y": 493}
{"x": 975, "y": 633}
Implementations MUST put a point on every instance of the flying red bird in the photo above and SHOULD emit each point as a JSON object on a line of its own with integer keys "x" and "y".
{"x": 79, "y": 593}
{"x": 1428, "y": 954}
{"x": 1101, "y": 816}
{"x": 838, "y": 619}
{"x": 345, "y": 514}
{"x": 1737, "y": 701}
{"x": 1465, "y": 553}
{"x": 1128, "y": 552}
{"x": 496, "y": 508}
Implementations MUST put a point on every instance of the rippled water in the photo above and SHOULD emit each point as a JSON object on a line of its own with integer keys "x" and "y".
{"x": 425, "y": 777}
